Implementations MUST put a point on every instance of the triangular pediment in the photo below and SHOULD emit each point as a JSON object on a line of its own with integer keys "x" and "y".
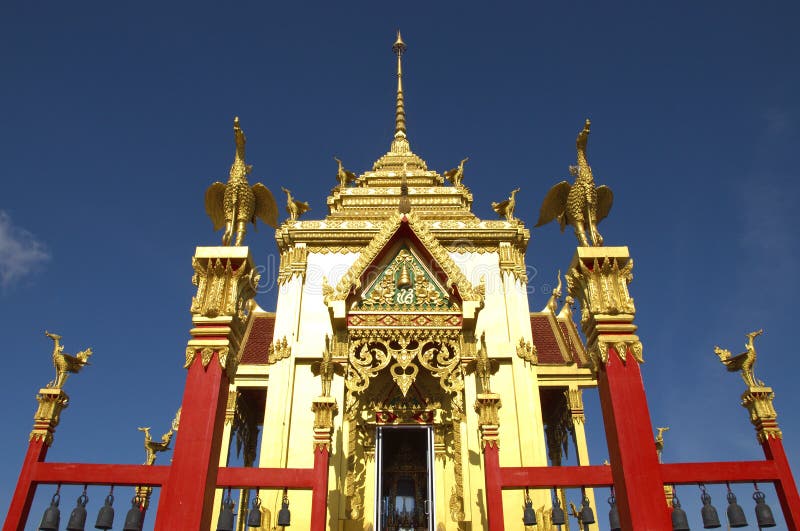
{"x": 404, "y": 282}
{"x": 405, "y": 240}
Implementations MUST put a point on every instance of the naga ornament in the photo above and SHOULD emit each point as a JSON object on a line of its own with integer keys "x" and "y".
{"x": 582, "y": 204}
{"x": 235, "y": 204}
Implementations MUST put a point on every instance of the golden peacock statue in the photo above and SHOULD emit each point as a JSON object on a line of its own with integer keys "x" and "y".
{"x": 506, "y": 208}
{"x": 235, "y": 204}
{"x": 743, "y": 362}
{"x": 456, "y": 175}
{"x": 581, "y": 204}
{"x": 294, "y": 208}
{"x": 64, "y": 363}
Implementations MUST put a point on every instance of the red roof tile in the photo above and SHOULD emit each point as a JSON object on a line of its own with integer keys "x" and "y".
{"x": 258, "y": 340}
{"x": 545, "y": 340}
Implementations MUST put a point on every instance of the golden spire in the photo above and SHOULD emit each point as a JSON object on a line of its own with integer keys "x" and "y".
{"x": 400, "y": 142}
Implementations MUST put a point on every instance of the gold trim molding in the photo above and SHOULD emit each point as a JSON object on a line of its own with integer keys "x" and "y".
{"x": 51, "y": 403}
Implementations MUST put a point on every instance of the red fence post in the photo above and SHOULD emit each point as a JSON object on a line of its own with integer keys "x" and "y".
{"x": 487, "y": 406}
{"x": 634, "y": 463}
{"x": 785, "y": 486}
{"x": 187, "y": 499}
{"x": 51, "y": 403}
{"x": 598, "y": 278}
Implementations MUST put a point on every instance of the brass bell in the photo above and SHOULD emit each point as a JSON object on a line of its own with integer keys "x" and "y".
{"x": 134, "y": 519}
{"x": 284, "y": 516}
{"x": 52, "y": 515}
{"x": 586, "y": 514}
{"x": 613, "y": 515}
{"x": 736, "y": 516}
{"x": 763, "y": 512}
{"x": 528, "y": 514}
{"x": 709, "y": 512}
{"x": 105, "y": 517}
{"x": 254, "y": 515}
{"x": 77, "y": 519}
{"x": 679, "y": 520}
{"x": 558, "y": 516}
{"x": 226, "y": 516}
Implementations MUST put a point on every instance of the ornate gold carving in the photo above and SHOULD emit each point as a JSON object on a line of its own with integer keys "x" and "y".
{"x": 758, "y": 402}
{"x": 230, "y": 406}
{"x": 278, "y": 351}
{"x": 441, "y": 356}
{"x": 599, "y": 280}
{"x": 294, "y": 208}
{"x": 743, "y": 362}
{"x": 228, "y": 363}
{"x": 575, "y": 403}
{"x": 224, "y": 286}
{"x": 324, "y": 408}
{"x": 487, "y": 405}
{"x": 527, "y": 351}
{"x": 505, "y": 209}
{"x": 65, "y": 364}
{"x": 236, "y": 203}
{"x": 512, "y": 260}
{"x": 294, "y": 261}
{"x": 402, "y": 292}
{"x": 52, "y": 401}
{"x": 351, "y": 280}
{"x": 580, "y": 204}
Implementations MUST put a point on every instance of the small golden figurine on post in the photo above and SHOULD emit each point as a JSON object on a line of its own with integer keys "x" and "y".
{"x": 64, "y": 363}
{"x": 294, "y": 208}
{"x": 581, "y": 203}
{"x": 506, "y": 208}
{"x": 743, "y": 362}
{"x": 456, "y": 174}
{"x": 237, "y": 203}
{"x": 343, "y": 176}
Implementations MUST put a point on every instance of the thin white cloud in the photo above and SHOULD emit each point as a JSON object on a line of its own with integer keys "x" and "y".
{"x": 20, "y": 252}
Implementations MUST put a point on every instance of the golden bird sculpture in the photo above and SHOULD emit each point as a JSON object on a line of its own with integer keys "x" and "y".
{"x": 506, "y": 208}
{"x": 582, "y": 204}
{"x": 483, "y": 366}
{"x": 236, "y": 203}
{"x": 64, "y": 363}
{"x": 152, "y": 447}
{"x": 344, "y": 176}
{"x": 456, "y": 175}
{"x": 294, "y": 208}
{"x": 326, "y": 367}
{"x": 660, "y": 441}
{"x": 743, "y": 362}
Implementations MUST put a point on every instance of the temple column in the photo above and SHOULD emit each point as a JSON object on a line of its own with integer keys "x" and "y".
{"x": 324, "y": 408}
{"x": 574, "y": 395}
{"x": 758, "y": 402}
{"x": 51, "y": 403}
{"x": 599, "y": 278}
{"x": 487, "y": 406}
{"x": 226, "y": 282}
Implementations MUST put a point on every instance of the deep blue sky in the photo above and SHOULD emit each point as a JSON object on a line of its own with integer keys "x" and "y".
{"x": 115, "y": 118}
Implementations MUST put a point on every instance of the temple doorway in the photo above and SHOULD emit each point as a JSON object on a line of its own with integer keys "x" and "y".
{"x": 404, "y": 460}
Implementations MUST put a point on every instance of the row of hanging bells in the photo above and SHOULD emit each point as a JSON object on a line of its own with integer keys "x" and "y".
{"x": 51, "y": 520}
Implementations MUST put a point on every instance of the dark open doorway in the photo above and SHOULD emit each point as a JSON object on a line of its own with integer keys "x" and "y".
{"x": 405, "y": 479}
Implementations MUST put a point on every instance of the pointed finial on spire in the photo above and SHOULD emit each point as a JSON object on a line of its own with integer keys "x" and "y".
{"x": 400, "y": 142}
